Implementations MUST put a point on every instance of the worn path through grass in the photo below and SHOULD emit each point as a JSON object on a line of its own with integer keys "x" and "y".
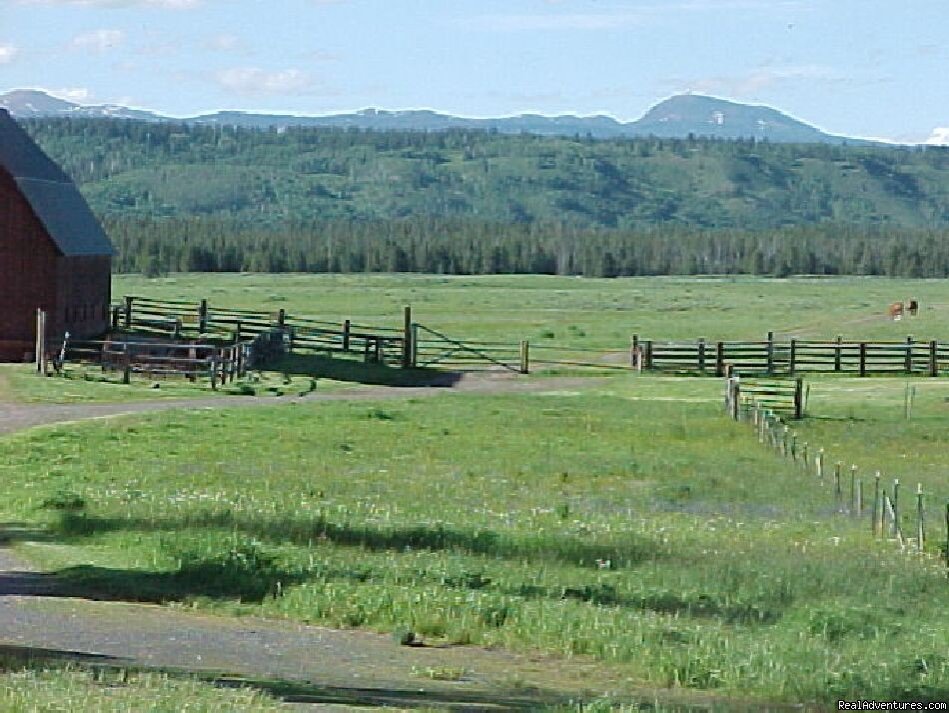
{"x": 305, "y": 664}
{"x": 19, "y": 416}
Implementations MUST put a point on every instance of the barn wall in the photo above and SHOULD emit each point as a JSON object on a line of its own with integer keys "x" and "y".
{"x": 83, "y": 296}
{"x": 28, "y": 271}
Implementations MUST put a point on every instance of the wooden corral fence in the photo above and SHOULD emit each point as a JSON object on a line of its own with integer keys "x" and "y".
{"x": 158, "y": 359}
{"x": 881, "y": 505}
{"x": 786, "y": 396}
{"x": 772, "y": 356}
{"x": 178, "y": 319}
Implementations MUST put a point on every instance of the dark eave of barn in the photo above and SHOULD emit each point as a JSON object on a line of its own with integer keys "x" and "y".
{"x": 54, "y": 198}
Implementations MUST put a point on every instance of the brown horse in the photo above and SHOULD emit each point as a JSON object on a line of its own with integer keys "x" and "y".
{"x": 895, "y": 311}
{"x": 913, "y": 308}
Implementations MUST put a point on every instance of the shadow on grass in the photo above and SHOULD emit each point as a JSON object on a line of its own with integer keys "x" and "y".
{"x": 19, "y": 658}
{"x": 110, "y": 672}
{"x": 234, "y": 574}
{"x": 11, "y": 532}
{"x": 342, "y": 369}
{"x": 247, "y": 573}
{"x": 625, "y": 551}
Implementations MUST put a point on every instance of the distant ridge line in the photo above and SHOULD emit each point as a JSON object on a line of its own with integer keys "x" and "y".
{"x": 679, "y": 116}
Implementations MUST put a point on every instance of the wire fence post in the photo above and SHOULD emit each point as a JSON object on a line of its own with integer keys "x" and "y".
{"x": 876, "y": 504}
{"x": 896, "y": 505}
{"x": 853, "y": 487}
{"x": 837, "y": 492}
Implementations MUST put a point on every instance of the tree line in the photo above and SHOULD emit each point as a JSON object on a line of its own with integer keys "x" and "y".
{"x": 466, "y": 247}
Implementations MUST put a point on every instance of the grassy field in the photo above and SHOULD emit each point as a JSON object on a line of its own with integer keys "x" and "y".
{"x": 597, "y": 313}
{"x": 629, "y": 521}
{"x": 654, "y": 534}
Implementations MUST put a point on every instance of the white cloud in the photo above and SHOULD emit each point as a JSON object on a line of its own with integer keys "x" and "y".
{"x": 256, "y": 81}
{"x": 8, "y": 53}
{"x": 939, "y": 137}
{"x": 98, "y": 41}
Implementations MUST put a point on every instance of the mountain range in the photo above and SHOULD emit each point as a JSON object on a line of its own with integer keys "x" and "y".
{"x": 678, "y": 116}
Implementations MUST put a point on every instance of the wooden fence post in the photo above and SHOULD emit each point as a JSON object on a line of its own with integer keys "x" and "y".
{"x": 414, "y": 344}
{"x": 770, "y": 353}
{"x": 239, "y": 355}
{"x": 634, "y": 361}
{"x": 933, "y": 358}
{"x": 115, "y": 317}
{"x": 792, "y": 358}
{"x": 347, "y": 328}
{"x": 920, "y": 525}
{"x": 407, "y": 337}
{"x": 40, "y": 346}
{"x": 701, "y": 355}
{"x": 128, "y": 312}
{"x": 281, "y": 318}
{"x": 213, "y": 363}
{"x": 799, "y": 398}
{"x": 908, "y": 359}
{"x": 863, "y": 358}
{"x": 648, "y": 364}
{"x": 127, "y": 366}
{"x": 720, "y": 359}
{"x": 203, "y": 317}
{"x": 837, "y": 353}
{"x": 525, "y": 357}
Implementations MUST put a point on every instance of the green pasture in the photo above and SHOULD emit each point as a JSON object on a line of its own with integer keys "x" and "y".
{"x": 634, "y": 524}
{"x": 896, "y": 426}
{"x": 37, "y": 686}
{"x": 580, "y": 312}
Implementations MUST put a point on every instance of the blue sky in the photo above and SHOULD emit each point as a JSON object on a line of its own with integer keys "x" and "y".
{"x": 873, "y": 68}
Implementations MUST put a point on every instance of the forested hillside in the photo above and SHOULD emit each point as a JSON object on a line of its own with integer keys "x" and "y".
{"x": 206, "y": 198}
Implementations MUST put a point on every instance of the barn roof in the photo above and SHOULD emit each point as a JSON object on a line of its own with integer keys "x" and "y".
{"x": 54, "y": 198}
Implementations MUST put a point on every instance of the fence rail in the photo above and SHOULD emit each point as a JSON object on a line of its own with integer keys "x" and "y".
{"x": 909, "y": 356}
{"x": 218, "y": 364}
{"x": 177, "y": 319}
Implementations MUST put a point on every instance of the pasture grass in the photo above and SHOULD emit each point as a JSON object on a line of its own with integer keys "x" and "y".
{"x": 580, "y": 312}
{"x": 31, "y": 686}
{"x": 634, "y": 524}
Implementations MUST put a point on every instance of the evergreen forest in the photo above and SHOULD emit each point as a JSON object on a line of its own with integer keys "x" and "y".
{"x": 210, "y": 198}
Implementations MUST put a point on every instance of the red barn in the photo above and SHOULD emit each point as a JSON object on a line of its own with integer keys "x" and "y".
{"x": 54, "y": 254}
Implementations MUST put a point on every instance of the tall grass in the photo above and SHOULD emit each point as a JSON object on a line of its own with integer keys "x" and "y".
{"x": 652, "y": 534}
